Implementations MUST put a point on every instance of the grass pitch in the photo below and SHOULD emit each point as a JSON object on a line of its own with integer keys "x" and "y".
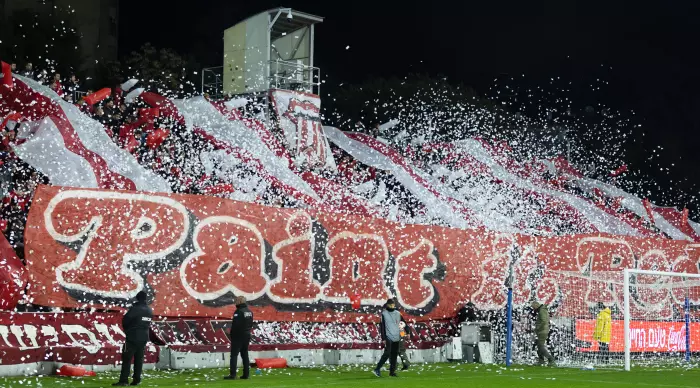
{"x": 420, "y": 376}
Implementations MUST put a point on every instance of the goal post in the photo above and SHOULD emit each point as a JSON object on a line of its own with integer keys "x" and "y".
{"x": 605, "y": 319}
{"x": 661, "y": 307}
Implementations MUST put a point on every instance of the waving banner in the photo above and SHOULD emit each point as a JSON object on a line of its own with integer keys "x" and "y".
{"x": 194, "y": 254}
{"x": 299, "y": 116}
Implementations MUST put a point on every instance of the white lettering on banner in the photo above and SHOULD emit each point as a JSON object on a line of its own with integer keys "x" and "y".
{"x": 676, "y": 339}
{"x": 491, "y": 294}
{"x": 49, "y": 331}
{"x": 294, "y": 256}
{"x": 104, "y": 330}
{"x": 5, "y": 333}
{"x": 30, "y": 331}
{"x": 358, "y": 263}
{"x": 240, "y": 270}
{"x": 29, "y": 336}
{"x": 590, "y": 259}
{"x": 92, "y": 232}
{"x": 425, "y": 262}
{"x": 638, "y": 337}
{"x": 92, "y": 347}
{"x": 118, "y": 330}
{"x": 18, "y": 333}
{"x": 658, "y": 339}
{"x": 230, "y": 257}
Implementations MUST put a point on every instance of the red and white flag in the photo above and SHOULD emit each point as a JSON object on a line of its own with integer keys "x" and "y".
{"x": 70, "y": 148}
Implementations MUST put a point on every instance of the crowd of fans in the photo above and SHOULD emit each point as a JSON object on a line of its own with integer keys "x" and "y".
{"x": 69, "y": 89}
{"x": 161, "y": 143}
{"x": 18, "y": 180}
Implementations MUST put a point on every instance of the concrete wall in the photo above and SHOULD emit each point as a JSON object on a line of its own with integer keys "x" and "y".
{"x": 295, "y": 358}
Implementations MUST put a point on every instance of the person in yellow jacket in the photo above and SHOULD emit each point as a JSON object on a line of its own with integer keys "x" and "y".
{"x": 603, "y": 331}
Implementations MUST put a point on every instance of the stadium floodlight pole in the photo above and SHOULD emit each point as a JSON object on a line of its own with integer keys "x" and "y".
{"x": 509, "y": 320}
{"x": 626, "y": 308}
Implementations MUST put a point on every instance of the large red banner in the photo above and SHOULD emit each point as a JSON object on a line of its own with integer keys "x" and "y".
{"x": 194, "y": 254}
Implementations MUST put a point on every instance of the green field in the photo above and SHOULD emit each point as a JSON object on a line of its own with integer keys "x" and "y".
{"x": 435, "y": 375}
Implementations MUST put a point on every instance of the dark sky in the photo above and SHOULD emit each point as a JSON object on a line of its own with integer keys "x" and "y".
{"x": 646, "y": 50}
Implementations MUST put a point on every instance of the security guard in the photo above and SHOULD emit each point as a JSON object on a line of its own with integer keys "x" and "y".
{"x": 136, "y": 324}
{"x": 241, "y": 327}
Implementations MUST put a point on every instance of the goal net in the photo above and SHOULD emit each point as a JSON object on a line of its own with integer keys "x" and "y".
{"x": 617, "y": 319}
{"x": 661, "y": 326}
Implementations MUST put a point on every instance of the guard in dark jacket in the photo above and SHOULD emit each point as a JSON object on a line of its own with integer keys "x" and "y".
{"x": 241, "y": 327}
{"x": 137, "y": 325}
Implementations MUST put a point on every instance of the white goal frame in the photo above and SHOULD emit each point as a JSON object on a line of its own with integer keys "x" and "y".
{"x": 626, "y": 285}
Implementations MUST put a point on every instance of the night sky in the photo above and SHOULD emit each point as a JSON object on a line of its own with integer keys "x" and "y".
{"x": 646, "y": 51}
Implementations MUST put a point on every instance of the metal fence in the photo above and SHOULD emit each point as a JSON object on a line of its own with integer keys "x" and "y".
{"x": 294, "y": 76}
{"x": 286, "y": 75}
{"x": 213, "y": 81}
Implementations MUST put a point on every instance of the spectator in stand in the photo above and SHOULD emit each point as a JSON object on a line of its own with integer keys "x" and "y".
{"x": 42, "y": 77}
{"x": 8, "y": 139}
{"x": 112, "y": 113}
{"x": 28, "y": 71}
{"x": 100, "y": 116}
{"x": 56, "y": 85}
{"x": 13, "y": 67}
{"x": 109, "y": 109}
{"x": 73, "y": 86}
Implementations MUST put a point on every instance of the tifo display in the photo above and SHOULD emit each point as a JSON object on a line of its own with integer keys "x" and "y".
{"x": 188, "y": 232}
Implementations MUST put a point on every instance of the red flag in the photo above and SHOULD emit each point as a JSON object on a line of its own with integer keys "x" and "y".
{"x": 356, "y": 300}
{"x": 619, "y": 171}
{"x": 12, "y": 116}
{"x": 98, "y": 96}
{"x": 6, "y": 74}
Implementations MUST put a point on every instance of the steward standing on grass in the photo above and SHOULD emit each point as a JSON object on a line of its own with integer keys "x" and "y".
{"x": 391, "y": 334}
{"x": 241, "y": 327}
{"x": 542, "y": 332}
{"x": 137, "y": 325}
